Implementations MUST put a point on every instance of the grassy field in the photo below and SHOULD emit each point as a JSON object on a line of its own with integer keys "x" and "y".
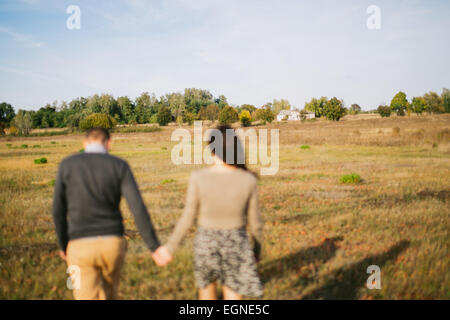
{"x": 320, "y": 234}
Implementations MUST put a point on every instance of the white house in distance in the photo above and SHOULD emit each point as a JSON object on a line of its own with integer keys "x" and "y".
{"x": 288, "y": 115}
{"x": 294, "y": 115}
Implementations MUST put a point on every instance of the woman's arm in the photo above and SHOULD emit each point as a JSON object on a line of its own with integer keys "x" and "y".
{"x": 187, "y": 219}
{"x": 255, "y": 221}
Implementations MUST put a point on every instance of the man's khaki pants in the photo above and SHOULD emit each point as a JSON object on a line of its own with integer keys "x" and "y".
{"x": 99, "y": 261}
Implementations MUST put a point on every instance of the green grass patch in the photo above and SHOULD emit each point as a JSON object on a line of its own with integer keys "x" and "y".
{"x": 305, "y": 147}
{"x": 350, "y": 178}
{"x": 36, "y": 146}
{"x": 40, "y": 160}
{"x": 165, "y": 181}
{"x": 24, "y": 146}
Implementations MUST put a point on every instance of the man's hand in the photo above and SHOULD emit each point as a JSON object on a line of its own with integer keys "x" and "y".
{"x": 162, "y": 256}
{"x": 62, "y": 254}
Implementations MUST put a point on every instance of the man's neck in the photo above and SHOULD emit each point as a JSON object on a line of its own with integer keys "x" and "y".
{"x": 95, "y": 147}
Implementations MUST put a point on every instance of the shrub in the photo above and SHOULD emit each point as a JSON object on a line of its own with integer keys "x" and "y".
{"x": 40, "y": 161}
{"x": 396, "y": 131}
{"x": 97, "y": 120}
{"x": 13, "y": 131}
{"x": 384, "y": 111}
{"x": 81, "y": 150}
{"x": 304, "y": 147}
{"x": 36, "y": 146}
{"x": 245, "y": 118}
{"x": 350, "y": 178}
{"x": 264, "y": 114}
{"x": 24, "y": 146}
{"x": 51, "y": 183}
{"x": 228, "y": 115}
{"x": 167, "y": 181}
{"x": 9, "y": 145}
{"x": 163, "y": 116}
{"x": 189, "y": 117}
{"x": 53, "y": 142}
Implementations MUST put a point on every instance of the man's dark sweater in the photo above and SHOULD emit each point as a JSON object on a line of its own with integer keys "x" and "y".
{"x": 87, "y": 194}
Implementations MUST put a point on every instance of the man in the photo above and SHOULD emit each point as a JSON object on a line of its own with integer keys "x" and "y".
{"x": 88, "y": 221}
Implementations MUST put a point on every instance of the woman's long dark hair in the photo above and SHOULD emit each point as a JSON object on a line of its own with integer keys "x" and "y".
{"x": 231, "y": 143}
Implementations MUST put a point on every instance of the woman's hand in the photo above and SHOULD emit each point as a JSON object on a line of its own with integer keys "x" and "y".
{"x": 162, "y": 256}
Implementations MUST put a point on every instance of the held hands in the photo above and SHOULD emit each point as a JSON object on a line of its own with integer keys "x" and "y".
{"x": 162, "y": 256}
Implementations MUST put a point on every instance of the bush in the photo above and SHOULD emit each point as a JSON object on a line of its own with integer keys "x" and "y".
{"x": 40, "y": 161}
{"x": 24, "y": 146}
{"x": 350, "y": 178}
{"x": 164, "y": 116}
{"x": 167, "y": 181}
{"x": 264, "y": 114}
{"x": 228, "y": 115}
{"x": 189, "y": 117}
{"x": 245, "y": 118}
{"x": 51, "y": 183}
{"x": 13, "y": 131}
{"x": 97, "y": 120}
{"x": 304, "y": 147}
{"x": 396, "y": 131}
{"x": 384, "y": 111}
{"x": 36, "y": 146}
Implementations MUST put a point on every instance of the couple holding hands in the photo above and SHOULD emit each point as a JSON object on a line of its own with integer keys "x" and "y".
{"x": 221, "y": 199}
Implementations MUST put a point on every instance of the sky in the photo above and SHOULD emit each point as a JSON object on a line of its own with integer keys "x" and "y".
{"x": 252, "y": 51}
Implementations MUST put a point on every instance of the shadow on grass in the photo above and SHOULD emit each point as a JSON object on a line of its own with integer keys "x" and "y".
{"x": 278, "y": 268}
{"x": 345, "y": 282}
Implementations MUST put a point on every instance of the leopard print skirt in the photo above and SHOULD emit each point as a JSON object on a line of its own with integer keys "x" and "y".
{"x": 226, "y": 256}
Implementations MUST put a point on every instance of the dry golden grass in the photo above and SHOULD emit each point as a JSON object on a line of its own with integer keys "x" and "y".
{"x": 320, "y": 235}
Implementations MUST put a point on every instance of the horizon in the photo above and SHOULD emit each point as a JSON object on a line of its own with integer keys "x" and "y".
{"x": 251, "y": 52}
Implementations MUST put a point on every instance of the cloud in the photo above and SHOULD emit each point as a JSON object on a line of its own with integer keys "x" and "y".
{"x": 24, "y": 39}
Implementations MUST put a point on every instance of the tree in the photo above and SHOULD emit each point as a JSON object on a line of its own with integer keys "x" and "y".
{"x": 249, "y": 107}
{"x": 264, "y": 114}
{"x": 434, "y": 102}
{"x": 228, "y": 115}
{"x": 278, "y": 105}
{"x": 212, "y": 112}
{"x": 145, "y": 107}
{"x": 164, "y": 116}
{"x": 445, "y": 96}
{"x": 176, "y": 103}
{"x": 189, "y": 117}
{"x": 384, "y": 111}
{"x": 355, "y": 109}
{"x": 97, "y": 120}
{"x": 245, "y": 118}
{"x": 334, "y": 109}
{"x": 197, "y": 98}
{"x": 418, "y": 105}
{"x": 316, "y": 106}
{"x": 127, "y": 109}
{"x": 6, "y": 115}
{"x": 221, "y": 101}
{"x": 22, "y": 121}
{"x": 399, "y": 103}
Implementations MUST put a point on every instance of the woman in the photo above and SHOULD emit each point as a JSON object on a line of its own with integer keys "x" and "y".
{"x": 224, "y": 199}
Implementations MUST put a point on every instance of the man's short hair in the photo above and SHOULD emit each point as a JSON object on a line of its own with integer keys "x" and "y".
{"x": 98, "y": 134}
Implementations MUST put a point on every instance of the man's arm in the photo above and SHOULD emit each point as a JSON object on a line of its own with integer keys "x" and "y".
{"x": 60, "y": 211}
{"x": 131, "y": 193}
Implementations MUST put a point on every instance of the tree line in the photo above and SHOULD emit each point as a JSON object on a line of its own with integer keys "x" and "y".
{"x": 192, "y": 104}
{"x": 430, "y": 102}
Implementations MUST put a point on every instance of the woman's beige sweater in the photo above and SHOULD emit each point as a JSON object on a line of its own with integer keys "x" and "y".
{"x": 220, "y": 199}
